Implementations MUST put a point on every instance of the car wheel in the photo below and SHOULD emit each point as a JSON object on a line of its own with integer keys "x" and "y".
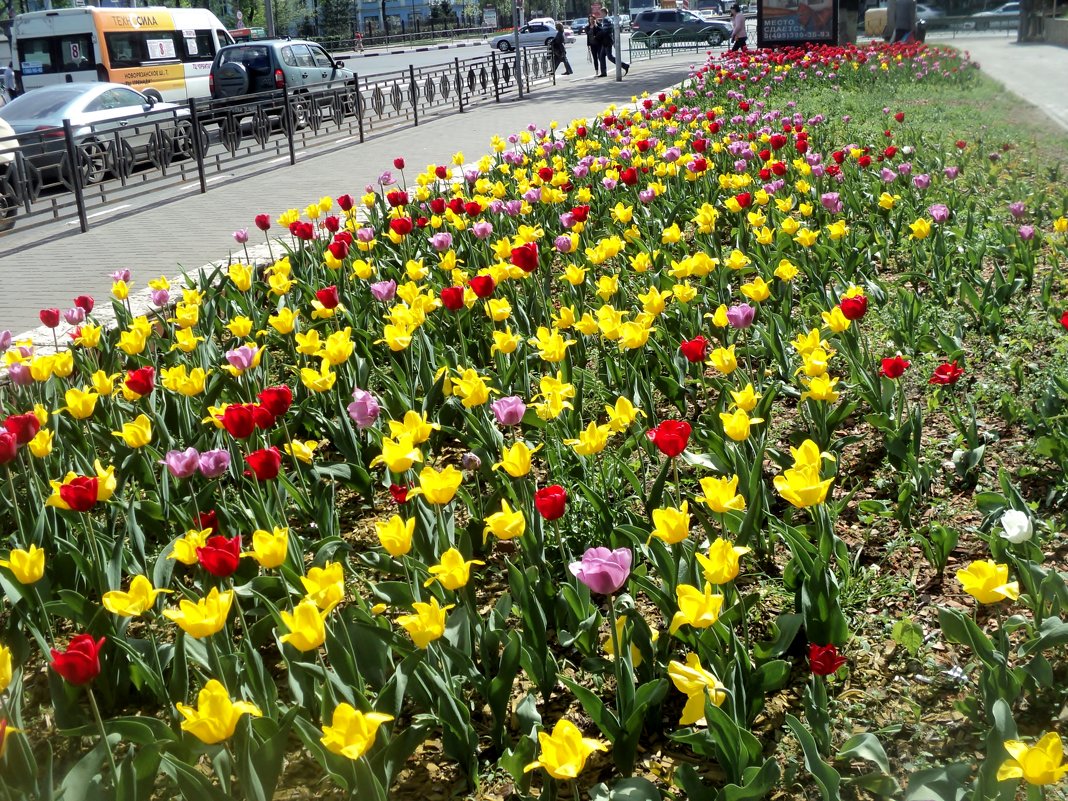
{"x": 9, "y": 204}
{"x": 715, "y": 39}
{"x": 655, "y": 40}
{"x": 300, "y": 113}
{"x": 549, "y": 42}
{"x": 504, "y": 45}
{"x": 92, "y": 161}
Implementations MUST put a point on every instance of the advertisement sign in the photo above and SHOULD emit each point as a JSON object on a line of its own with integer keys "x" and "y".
{"x": 782, "y": 23}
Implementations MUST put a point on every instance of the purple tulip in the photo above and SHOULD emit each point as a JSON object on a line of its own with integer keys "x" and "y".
{"x": 161, "y": 297}
{"x": 921, "y": 181}
{"x": 741, "y": 315}
{"x": 470, "y": 462}
{"x": 5, "y": 340}
{"x": 646, "y": 195}
{"x": 562, "y": 243}
{"x": 182, "y": 464}
{"x": 364, "y": 408}
{"x": 509, "y": 411}
{"x": 387, "y": 179}
{"x": 608, "y": 183}
{"x": 1027, "y": 232}
{"x": 74, "y": 316}
{"x": 1017, "y": 209}
{"x": 441, "y": 241}
{"x": 214, "y": 463}
{"x": 384, "y": 291}
{"x": 19, "y": 374}
{"x": 513, "y": 207}
{"x": 602, "y": 570}
{"x": 242, "y": 358}
{"x": 241, "y": 236}
{"x": 951, "y": 173}
{"x": 832, "y": 202}
{"x": 939, "y": 212}
{"x": 121, "y": 275}
{"x": 365, "y": 235}
{"x": 483, "y": 229}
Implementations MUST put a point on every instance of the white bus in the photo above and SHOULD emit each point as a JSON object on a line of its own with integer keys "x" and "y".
{"x": 165, "y": 52}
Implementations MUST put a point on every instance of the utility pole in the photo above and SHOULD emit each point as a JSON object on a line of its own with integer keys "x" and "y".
{"x": 268, "y": 18}
{"x": 515, "y": 40}
{"x": 617, "y": 41}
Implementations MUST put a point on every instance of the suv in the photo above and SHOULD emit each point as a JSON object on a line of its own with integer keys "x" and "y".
{"x": 659, "y": 25}
{"x": 265, "y": 66}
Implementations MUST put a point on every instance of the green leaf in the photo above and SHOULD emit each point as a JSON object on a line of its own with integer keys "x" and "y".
{"x": 908, "y": 634}
{"x": 948, "y": 783}
{"x": 191, "y": 782}
{"x": 756, "y": 783}
{"x": 961, "y": 629}
{"x": 865, "y": 746}
{"x": 826, "y": 776}
{"x": 593, "y": 706}
{"x": 783, "y": 633}
{"x": 632, "y": 789}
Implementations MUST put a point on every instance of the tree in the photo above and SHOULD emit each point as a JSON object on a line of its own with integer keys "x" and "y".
{"x": 442, "y": 12}
{"x": 336, "y": 18}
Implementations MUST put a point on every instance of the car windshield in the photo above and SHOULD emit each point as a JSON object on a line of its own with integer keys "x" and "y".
{"x": 41, "y": 103}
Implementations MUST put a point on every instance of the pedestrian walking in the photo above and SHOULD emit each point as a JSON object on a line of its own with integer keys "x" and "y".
{"x": 559, "y": 48}
{"x": 593, "y": 46}
{"x": 608, "y": 41}
{"x": 738, "y": 31}
{"x": 10, "y": 86}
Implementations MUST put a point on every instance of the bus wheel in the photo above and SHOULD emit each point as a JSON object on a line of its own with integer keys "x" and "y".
{"x": 92, "y": 161}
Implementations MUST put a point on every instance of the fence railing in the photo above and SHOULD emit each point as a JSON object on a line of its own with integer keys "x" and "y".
{"x": 664, "y": 43}
{"x": 409, "y": 35}
{"x": 64, "y": 175}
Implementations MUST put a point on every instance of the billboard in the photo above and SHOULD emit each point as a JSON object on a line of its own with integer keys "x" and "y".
{"x": 781, "y": 23}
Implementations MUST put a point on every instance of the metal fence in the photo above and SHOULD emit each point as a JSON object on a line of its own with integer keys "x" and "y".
{"x": 66, "y": 174}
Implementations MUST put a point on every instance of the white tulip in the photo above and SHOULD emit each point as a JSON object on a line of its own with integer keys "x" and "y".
{"x": 1016, "y": 526}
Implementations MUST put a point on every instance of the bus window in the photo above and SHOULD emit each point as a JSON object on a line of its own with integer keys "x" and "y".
{"x": 160, "y": 45}
{"x": 76, "y": 52}
{"x": 224, "y": 37}
{"x": 36, "y": 56}
{"x": 124, "y": 49}
{"x": 200, "y": 46}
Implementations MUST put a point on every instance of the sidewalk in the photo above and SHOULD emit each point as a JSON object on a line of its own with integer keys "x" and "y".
{"x": 1037, "y": 73}
{"x": 399, "y": 50}
{"x": 190, "y": 231}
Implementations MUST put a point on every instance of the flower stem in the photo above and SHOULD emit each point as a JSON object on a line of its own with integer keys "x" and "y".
{"x": 104, "y": 736}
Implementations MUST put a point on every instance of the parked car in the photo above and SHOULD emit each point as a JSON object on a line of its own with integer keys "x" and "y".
{"x": 579, "y": 26}
{"x": 114, "y": 127}
{"x": 657, "y": 25}
{"x": 8, "y": 199}
{"x": 928, "y": 13}
{"x": 533, "y": 34}
{"x": 1004, "y": 10}
{"x": 1003, "y": 16}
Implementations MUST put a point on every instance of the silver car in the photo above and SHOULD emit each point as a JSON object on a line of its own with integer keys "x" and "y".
{"x": 536, "y": 34}
{"x": 114, "y": 128}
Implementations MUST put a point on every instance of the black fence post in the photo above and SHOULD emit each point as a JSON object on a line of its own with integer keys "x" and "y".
{"x": 413, "y": 93}
{"x": 198, "y": 145}
{"x": 75, "y": 175}
{"x": 290, "y": 125}
{"x": 359, "y": 103}
{"x": 496, "y": 77}
{"x": 459, "y": 85}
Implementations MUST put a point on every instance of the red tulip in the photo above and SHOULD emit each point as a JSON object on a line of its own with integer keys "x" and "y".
{"x": 452, "y": 298}
{"x": 1064, "y": 319}
{"x": 947, "y": 373}
{"x": 551, "y": 502}
{"x": 85, "y": 303}
{"x": 961, "y": 144}
{"x": 824, "y": 659}
{"x": 472, "y": 208}
{"x": 263, "y": 222}
{"x": 482, "y": 286}
{"x": 9, "y": 447}
{"x": 80, "y": 663}
{"x": 265, "y": 463}
{"x": 276, "y": 400}
{"x": 525, "y": 257}
{"x": 220, "y": 556}
{"x": 142, "y": 380}
{"x": 80, "y": 493}
{"x": 580, "y": 213}
{"x": 545, "y": 173}
{"x": 855, "y": 307}
{"x": 399, "y": 493}
{"x": 629, "y": 176}
{"x": 744, "y": 199}
{"x": 262, "y": 416}
{"x": 339, "y": 249}
{"x": 895, "y": 367}
{"x": 398, "y": 163}
{"x": 208, "y": 519}
{"x": 331, "y": 223}
{"x": 900, "y": 116}
{"x": 670, "y": 437}
{"x": 49, "y": 317}
{"x": 694, "y": 349}
{"x": 441, "y": 171}
{"x": 396, "y": 198}
{"x": 437, "y": 205}
{"x": 23, "y": 426}
{"x": 328, "y": 296}
{"x": 346, "y": 202}
{"x": 239, "y": 420}
{"x": 401, "y": 226}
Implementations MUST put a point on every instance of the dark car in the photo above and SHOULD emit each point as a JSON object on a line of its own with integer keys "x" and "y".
{"x": 659, "y": 25}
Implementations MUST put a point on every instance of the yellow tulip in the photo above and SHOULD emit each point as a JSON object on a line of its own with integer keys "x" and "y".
{"x": 721, "y": 494}
{"x": 835, "y": 320}
{"x": 6, "y": 669}
{"x": 338, "y": 347}
{"x": 724, "y": 360}
{"x": 414, "y": 425}
{"x": 722, "y": 562}
{"x": 438, "y": 487}
{"x": 307, "y": 630}
{"x": 670, "y": 524}
{"x": 398, "y": 455}
{"x": 269, "y": 548}
{"x": 746, "y": 399}
{"x": 506, "y": 524}
{"x": 26, "y": 566}
{"x": 301, "y": 451}
{"x": 697, "y": 684}
{"x": 41, "y": 444}
{"x": 321, "y": 380}
{"x": 591, "y": 441}
{"x": 737, "y": 424}
{"x": 988, "y": 582}
{"x": 696, "y": 608}
{"x": 241, "y": 276}
{"x": 185, "y": 548}
{"x": 427, "y": 624}
{"x": 351, "y": 733}
{"x": 215, "y": 717}
{"x": 802, "y": 487}
{"x": 139, "y": 599}
{"x": 451, "y": 570}
{"x": 136, "y": 434}
{"x": 396, "y": 535}
{"x": 1038, "y": 764}
{"x": 471, "y": 388}
{"x": 325, "y": 586}
{"x": 81, "y": 403}
{"x": 821, "y": 388}
{"x": 204, "y": 617}
{"x": 565, "y": 751}
{"x": 516, "y": 459}
{"x": 921, "y": 229}
{"x": 756, "y": 290}
{"x": 786, "y": 271}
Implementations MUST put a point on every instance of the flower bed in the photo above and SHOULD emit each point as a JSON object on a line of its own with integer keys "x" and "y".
{"x": 545, "y": 467}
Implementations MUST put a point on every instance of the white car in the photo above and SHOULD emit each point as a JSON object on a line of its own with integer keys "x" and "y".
{"x": 533, "y": 34}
